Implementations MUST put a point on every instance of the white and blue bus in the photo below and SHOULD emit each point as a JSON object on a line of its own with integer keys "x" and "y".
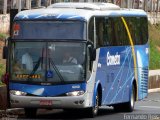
{"x": 109, "y": 46}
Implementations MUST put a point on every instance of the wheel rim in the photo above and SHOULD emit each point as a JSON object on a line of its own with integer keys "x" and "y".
{"x": 132, "y": 99}
{"x": 95, "y": 110}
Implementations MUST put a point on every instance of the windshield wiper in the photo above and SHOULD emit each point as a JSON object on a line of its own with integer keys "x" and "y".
{"x": 56, "y": 69}
{"x": 35, "y": 68}
{"x": 37, "y": 65}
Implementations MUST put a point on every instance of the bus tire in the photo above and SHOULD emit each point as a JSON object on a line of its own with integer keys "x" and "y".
{"x": 30, "y": 112}
{"x": 93, "y": 111}
{"x": 129, "y": 106}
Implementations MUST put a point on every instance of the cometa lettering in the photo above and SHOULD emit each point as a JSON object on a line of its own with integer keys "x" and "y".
{"x": 113, "y": 59}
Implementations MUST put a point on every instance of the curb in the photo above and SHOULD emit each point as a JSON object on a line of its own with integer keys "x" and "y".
{"x": 154, "y": 90}
{"x": 11, "y": 110}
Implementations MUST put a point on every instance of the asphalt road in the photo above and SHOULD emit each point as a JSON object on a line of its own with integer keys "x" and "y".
{"x": 148, "y": 109}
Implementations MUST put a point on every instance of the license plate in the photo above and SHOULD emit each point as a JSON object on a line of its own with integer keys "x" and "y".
{"x": 46, "y": 102}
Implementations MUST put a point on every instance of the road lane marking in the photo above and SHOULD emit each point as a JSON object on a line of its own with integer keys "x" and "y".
{"x": 151, "y": 100}
{"x": 154, "y": 107}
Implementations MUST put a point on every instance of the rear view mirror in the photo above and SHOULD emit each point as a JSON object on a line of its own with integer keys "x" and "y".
{"x": 5, "y": 49}
{"x": 93, "y": 54}
{"x": 92, "y": 51}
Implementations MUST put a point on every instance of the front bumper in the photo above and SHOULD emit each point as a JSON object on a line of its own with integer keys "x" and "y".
{"x": 55, "y": 102}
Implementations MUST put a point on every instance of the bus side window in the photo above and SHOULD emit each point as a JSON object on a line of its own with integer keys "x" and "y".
{"x": 133, "y": 24}
{"x": 143, "y": 30}
{"x": 106, "y": 42}
{"x": 107, "y": 32}
{"x": 91, "y": 30}
{"x": 100, "y": 29}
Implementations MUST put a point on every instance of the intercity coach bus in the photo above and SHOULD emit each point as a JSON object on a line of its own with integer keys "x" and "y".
{"x": 108, "y": 44}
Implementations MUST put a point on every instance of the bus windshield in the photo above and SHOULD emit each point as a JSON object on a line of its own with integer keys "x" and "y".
{"x": 53, "y": 62}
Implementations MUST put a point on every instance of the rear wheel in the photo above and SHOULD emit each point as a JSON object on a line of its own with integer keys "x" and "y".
{"x": 30, "y": 112}
{"x": 130, "y": 105}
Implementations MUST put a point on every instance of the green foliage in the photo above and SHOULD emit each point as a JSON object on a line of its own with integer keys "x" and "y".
{"x": 154, "y": 56}
{"x": 2, "y": 65}
{"x": 2, "y": 68}
{"x": 3, "y": 36}
{"x": 1, "y": 83}
{"x": 154, "y": 37}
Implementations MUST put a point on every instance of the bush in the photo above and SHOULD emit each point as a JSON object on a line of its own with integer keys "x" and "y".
{"x": 2, "y": 62}
{"x": 1, "y": 83}
{"x": 154, "y": 39}
{"x": 3, "y": 36}
{"x": 2, "y": 70}
{"x": 154, "y": 57}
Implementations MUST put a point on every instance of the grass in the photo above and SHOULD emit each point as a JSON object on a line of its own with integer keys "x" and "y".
{"x": 154, "y": 57}
{"x": 154, "y": 37}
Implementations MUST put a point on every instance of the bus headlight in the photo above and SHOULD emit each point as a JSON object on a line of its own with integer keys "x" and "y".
{"x": 18, "y": 93}
{"x": 75, "y": 93}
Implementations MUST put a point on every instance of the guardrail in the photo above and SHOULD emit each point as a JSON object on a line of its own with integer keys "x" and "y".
{"x": 154, "y": 79}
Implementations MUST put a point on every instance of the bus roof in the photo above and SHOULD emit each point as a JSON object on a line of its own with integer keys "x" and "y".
{"x": 77, "y": 11}
{"x": 91, "y": 6}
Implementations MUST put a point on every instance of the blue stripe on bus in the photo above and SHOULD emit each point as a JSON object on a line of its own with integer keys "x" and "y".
{"x": 49, "y": 16}
{"x": 50, "y": 91}
{"x": 126, "y": 14}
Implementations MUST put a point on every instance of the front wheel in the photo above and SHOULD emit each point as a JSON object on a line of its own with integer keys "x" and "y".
{"x": 93, "y": 111}
{"x": 30, "y": 112}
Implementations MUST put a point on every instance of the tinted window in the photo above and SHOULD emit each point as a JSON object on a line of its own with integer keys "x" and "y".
{"x": 138, "y": 28}
{"x": 49, "y": 30}
{"x": 111, "y": 31}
